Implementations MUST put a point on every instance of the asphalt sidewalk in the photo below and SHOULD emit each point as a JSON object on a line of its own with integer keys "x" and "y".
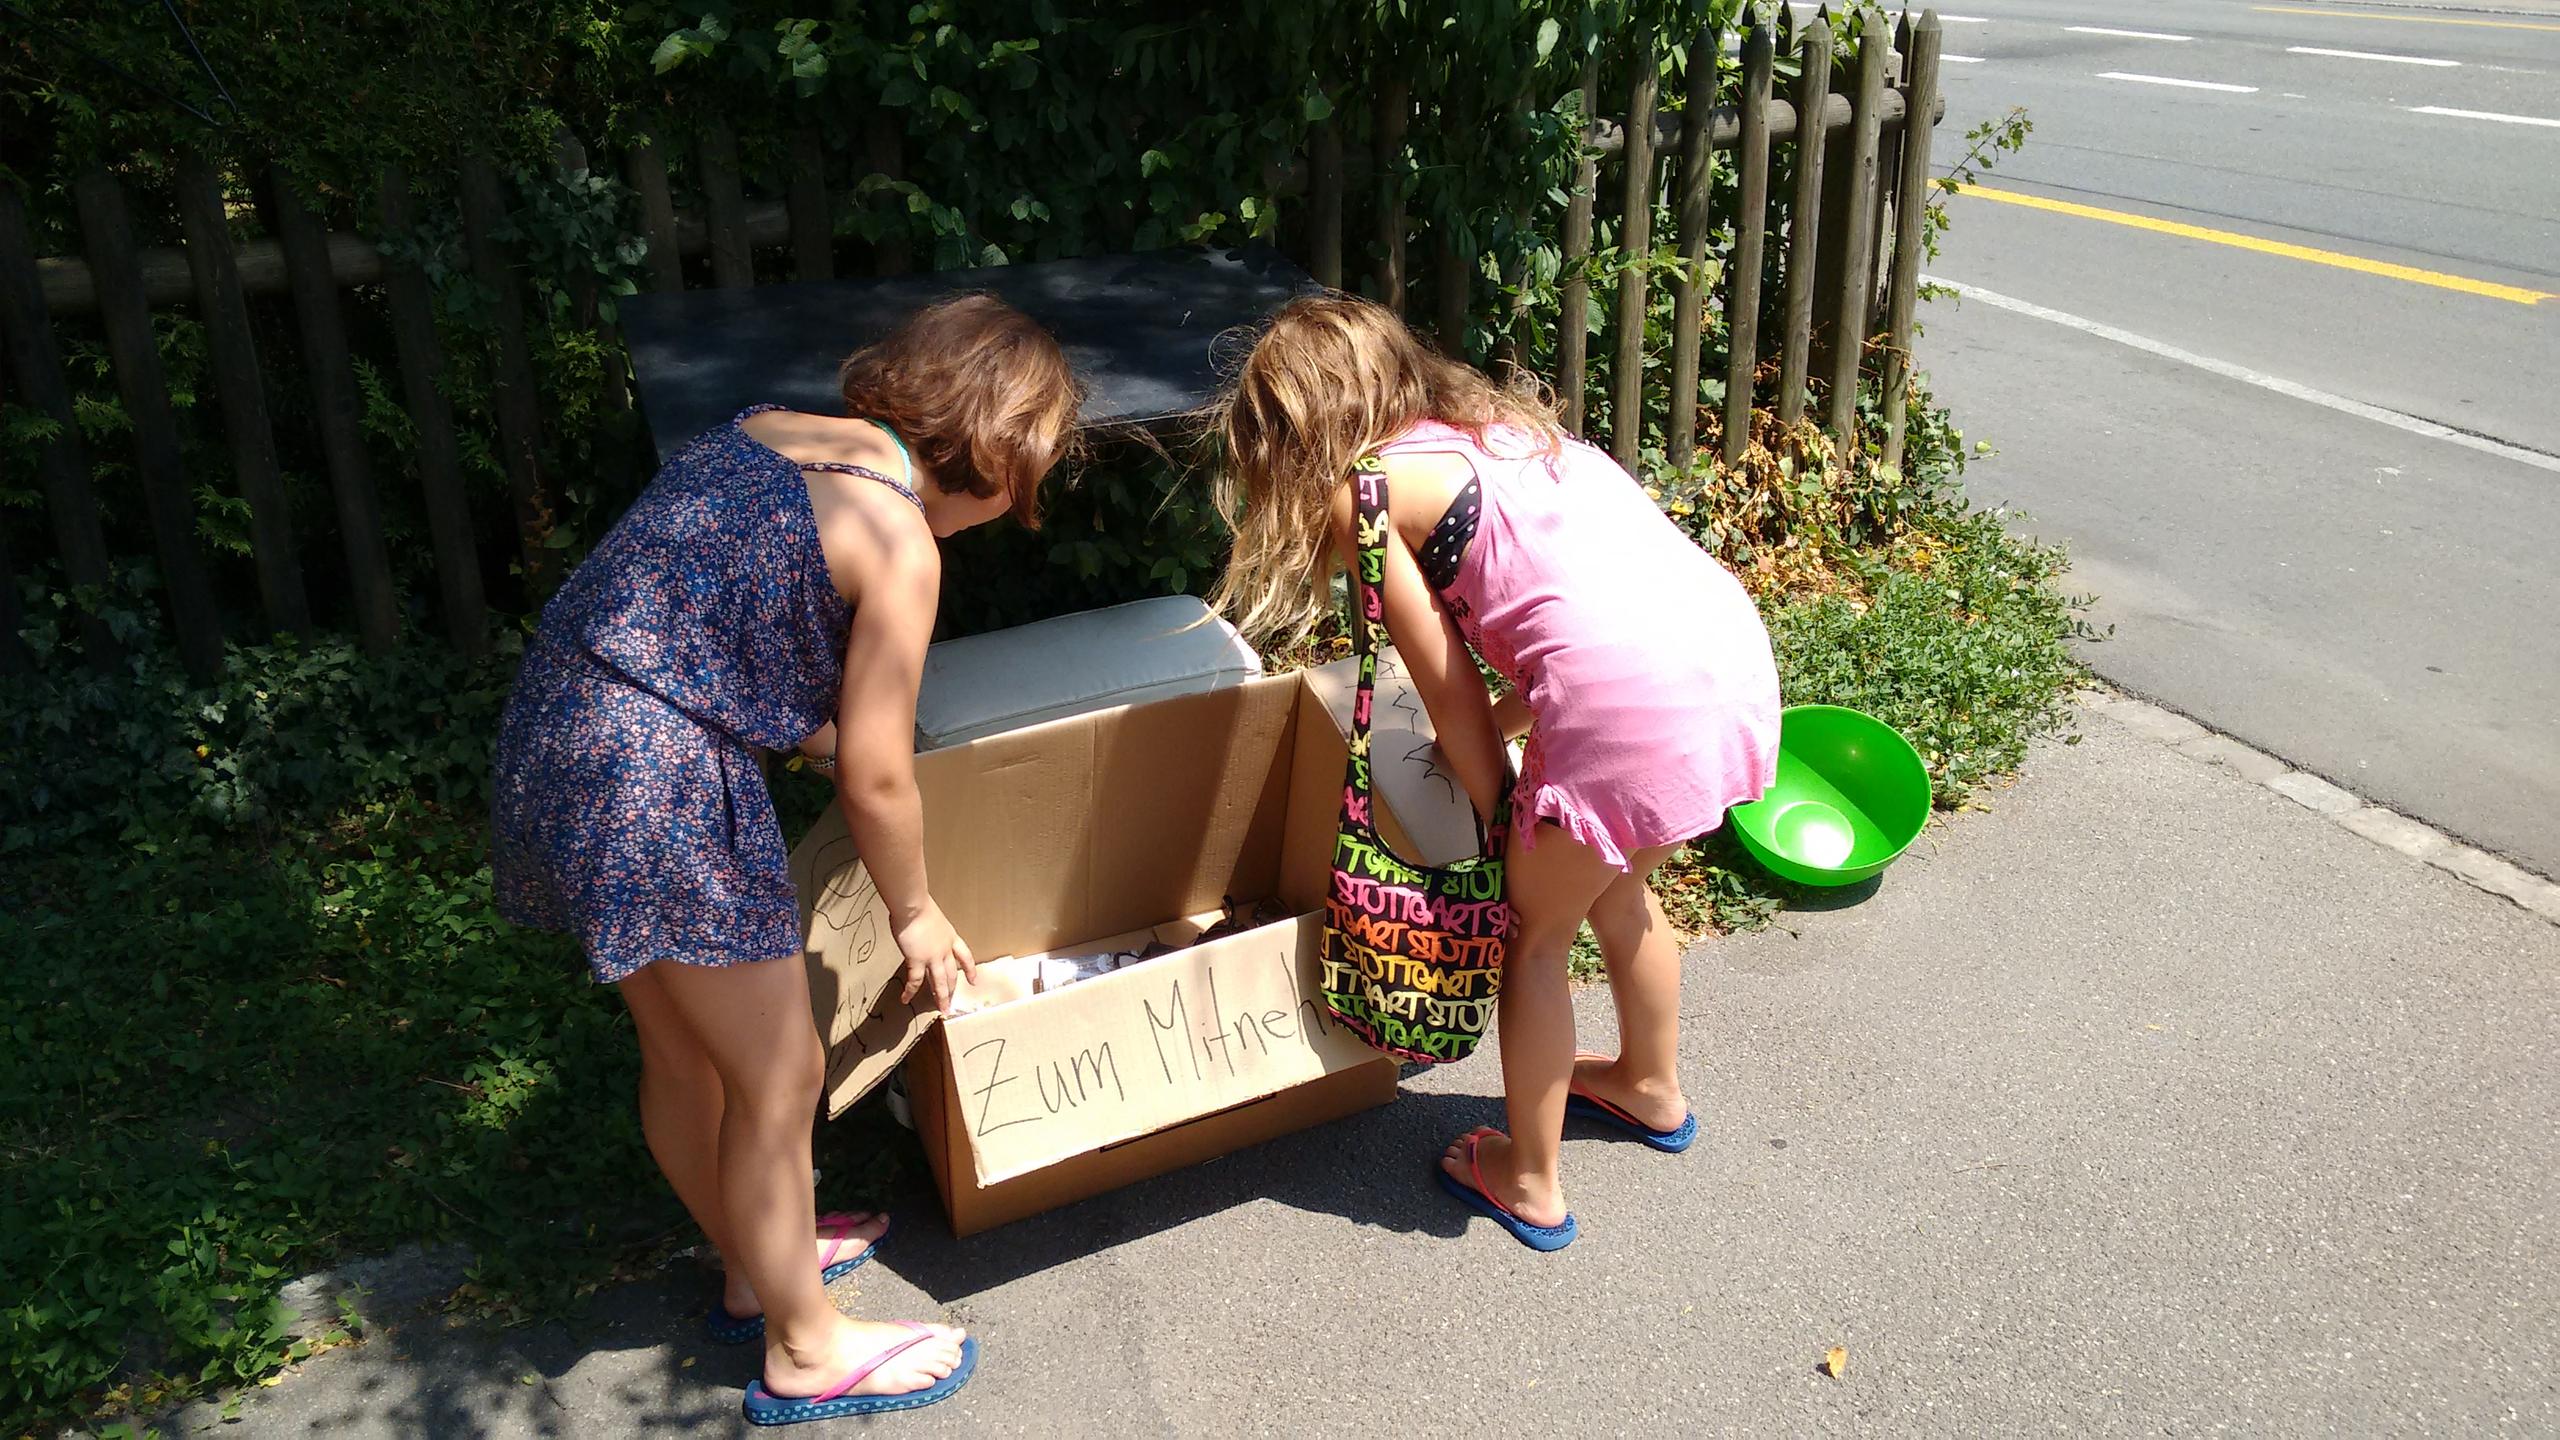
{"x": 2149, "y": 1099}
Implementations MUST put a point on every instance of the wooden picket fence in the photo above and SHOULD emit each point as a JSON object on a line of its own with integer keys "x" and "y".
{"x": 1850, "y": 269}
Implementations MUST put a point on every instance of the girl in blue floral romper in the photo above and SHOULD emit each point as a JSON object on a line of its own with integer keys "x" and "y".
{"x": 774, "y": 588}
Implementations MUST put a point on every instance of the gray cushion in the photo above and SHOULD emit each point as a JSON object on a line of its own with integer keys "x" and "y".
{"x": 1007, "y": 679}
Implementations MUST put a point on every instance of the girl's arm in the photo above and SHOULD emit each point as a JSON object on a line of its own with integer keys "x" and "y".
{"x": 1511, "y": 715}
{"x": 875, "y": 752}
{"x": 1436, "y": 656}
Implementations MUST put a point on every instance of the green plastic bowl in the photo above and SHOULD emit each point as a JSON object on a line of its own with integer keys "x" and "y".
{"x": 1850, "y": 797}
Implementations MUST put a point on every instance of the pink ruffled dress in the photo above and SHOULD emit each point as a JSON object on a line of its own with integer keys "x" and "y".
{"x": 1643, "y": 661}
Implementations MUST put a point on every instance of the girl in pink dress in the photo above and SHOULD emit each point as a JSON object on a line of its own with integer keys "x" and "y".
{"x": 1637, "y": 666}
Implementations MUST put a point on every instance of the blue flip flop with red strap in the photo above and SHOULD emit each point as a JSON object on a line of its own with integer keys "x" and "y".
{"x": 1582, "y": 1103}
{"x": 763, "y": 1407}
{"x": 1475, "y": 1197}
{"x": 727, "y": 1329}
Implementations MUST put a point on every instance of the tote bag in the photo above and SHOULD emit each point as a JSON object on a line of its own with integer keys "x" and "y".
{"x": 1412, "y": 953}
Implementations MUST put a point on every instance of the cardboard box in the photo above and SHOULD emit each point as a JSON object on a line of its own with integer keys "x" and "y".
{"x": 1099, "y": 826}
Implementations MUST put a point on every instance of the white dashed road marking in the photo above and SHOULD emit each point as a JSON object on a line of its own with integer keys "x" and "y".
{"x": 2370, "y": 55}
{"x": 2483, "y": 115}
{"x": 2125, "y": 34}
{"x": 2181, "y": 84}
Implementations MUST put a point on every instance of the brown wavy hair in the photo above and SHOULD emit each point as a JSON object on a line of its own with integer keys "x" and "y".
{"x": 980, "y": 393}
{"x": 1333, "y": 377}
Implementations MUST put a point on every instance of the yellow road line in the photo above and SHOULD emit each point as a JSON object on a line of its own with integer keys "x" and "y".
{"x": 2405, "y": 19}
{"x": 2464, "y": 283}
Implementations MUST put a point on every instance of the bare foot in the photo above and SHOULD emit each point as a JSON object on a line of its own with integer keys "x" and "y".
{"x": 1539, "y": 1204}
{"x": 740, "y": 1297}
{"x": 795, "y": 1375}
{"x": 1656, "y": 1104}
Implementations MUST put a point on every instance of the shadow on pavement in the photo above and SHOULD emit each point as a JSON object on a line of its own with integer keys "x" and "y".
{"x": 638, "y": 1363}
{"x": 1373, "y": 1169}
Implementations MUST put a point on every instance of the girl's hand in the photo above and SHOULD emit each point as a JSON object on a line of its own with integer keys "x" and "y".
{"x": 936, "y": 953}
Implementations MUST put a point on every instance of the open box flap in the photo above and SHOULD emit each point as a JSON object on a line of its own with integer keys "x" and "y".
{"x": 1420, "y": 793}
{"x": 853, "y": 966}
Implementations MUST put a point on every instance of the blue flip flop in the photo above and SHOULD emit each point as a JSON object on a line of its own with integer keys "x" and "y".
{"x": 1474, "y": 1197}
{"x": 763, "y": 1407}
{"x": 1581, "y": 1102}
{"x": 727, "y": 1329}
{"x": 1671, "y": 1142}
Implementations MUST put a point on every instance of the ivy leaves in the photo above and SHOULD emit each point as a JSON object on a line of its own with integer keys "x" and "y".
{"x": 801, "y": 53}
{"x": 696, "y": 42}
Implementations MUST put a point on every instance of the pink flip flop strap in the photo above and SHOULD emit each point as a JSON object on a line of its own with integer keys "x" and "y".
{"x": 1475, "y": 1167}
{"x": 875, "y": 1362}
{"x": 842, "y": 1223}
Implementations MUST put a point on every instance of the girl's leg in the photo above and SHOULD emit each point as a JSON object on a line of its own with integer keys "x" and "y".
{"x": 1643, "y": 956}
{"x": 1552, "y": 888}
{"x": 680, "y": 1105}
{"x": 680, "y": 1109}
{"x": 754, "y": 1022}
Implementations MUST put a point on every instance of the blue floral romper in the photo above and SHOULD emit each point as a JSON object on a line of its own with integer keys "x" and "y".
{"x": 628, "y": 809}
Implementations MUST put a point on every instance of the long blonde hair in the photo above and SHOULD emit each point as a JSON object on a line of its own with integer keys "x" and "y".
{"x": 1332, "y": 378}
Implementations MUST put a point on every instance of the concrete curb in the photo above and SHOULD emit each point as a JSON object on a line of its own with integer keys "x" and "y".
{"x": 384, "y": 1290}
{"x": 2386, "y": 828}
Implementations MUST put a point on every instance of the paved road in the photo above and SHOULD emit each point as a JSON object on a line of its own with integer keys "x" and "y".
{"x": 2148, "y": 1103}
{"x": 2372, "y": 603}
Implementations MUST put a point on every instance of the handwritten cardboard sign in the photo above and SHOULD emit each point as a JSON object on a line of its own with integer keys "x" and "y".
{"x": 1131, "y": 1052}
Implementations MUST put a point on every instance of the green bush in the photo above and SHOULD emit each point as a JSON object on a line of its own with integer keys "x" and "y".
{"x": 292, "y": 734}
{"x": 1126, "y": 528}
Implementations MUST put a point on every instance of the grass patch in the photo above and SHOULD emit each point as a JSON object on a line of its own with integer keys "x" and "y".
{"x": 259, "y": 1013}
{"x": 1961, "y": 643}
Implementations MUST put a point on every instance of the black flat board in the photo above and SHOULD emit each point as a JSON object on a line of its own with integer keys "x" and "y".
{"x": 1142, "y": 330}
